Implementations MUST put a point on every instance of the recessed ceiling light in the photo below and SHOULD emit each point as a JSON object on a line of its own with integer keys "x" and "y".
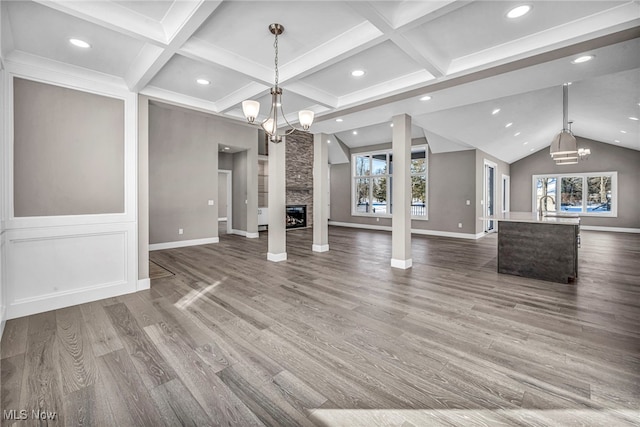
{"x": 531, "y": 149}
{"x": 391, "y": 125}
{"x": 425, "y": 98}
{"x": 328, "y": 141}
{"x": 633, "y": 118}
{"x": 496, "y": 111}
{"x": 525, "y": 143}
{"x": 581, "y": 59}
{"x": 355, "y": 132}
{"x": 623, "y": 131}
{"x": 79, "y": 43}
{"x": 518, "y": 11}
{"x": 203, "y": 82}
{"x": 516, "y": 134}
{"x": 616, "y": 140}
{"x": 508, "y": 125}
{"x": 357, "y": 73}
{"x": 226, "y": 148}
{"x": 339, "y": 120}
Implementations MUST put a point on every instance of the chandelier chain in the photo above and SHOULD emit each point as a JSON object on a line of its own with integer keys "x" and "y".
{"x": 275, "y": 45}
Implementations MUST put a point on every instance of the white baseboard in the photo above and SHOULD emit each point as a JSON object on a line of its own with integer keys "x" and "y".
{"x": 277, "y": 257}
{"x": 320, "y": 248}
{"x": 402, "y": 263}
{"x": 144, "y": 284}
{"x": 613, "y": 229}
{"x": 183, "y": 243}
{"x": 222, "y": 219}
{"x": 245, "y": 234}
{"x": 413, "y": 230}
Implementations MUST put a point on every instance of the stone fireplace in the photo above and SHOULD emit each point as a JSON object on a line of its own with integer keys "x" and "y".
{"x": 296, "y": 216}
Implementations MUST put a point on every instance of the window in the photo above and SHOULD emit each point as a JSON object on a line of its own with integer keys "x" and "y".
{"x": 372, "y": 178}
{"x": 589, "y": 194}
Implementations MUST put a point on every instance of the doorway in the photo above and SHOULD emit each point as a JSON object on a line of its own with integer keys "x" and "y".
{"x": 489, "y": 195}
{"x": 225, "y": 205}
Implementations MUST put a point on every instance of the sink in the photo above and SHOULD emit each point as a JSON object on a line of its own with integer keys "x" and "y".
{"x": 561, "y": 214}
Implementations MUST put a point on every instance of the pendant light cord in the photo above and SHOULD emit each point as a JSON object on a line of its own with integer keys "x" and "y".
{"x": 275, "y": 45}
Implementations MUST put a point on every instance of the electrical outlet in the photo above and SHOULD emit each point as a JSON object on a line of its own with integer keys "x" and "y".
{"x": 180, "y": 231}
{"x": 377, "y": 219}
{"x": 210, "y": 202}
{"x": 459, "y": 225}
{"x": 468, "y": 202}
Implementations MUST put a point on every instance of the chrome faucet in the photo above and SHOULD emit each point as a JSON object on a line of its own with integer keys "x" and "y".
{"x": 546, "y": 196}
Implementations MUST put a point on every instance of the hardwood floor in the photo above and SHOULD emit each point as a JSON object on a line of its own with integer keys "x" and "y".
{"x": 341, "y": 339}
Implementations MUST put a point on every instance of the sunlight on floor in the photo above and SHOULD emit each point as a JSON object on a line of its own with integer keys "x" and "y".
{"x": 195, "y": 295}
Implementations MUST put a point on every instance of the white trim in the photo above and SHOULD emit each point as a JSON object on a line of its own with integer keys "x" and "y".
{"x": 320, "y": 248}
{"x": 253, "y": 235}
{"x": 144, "y": 284}
{"x": 276, "y": 257}
{"x": 413, "y": 230}
{"x": 182, "y": 243}
{"x": 229, "y": 217}
{"x": 222, "y": 219}
{"x": 401, "y": 263}
{"x": 488, "y": 163}
{"x": 239, "y": 232}
{"x": 612, "y": 229}
{"x": 505, "y": 192}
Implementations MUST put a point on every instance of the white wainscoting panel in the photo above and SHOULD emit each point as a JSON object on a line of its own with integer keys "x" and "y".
{"x": 50, "y": 268}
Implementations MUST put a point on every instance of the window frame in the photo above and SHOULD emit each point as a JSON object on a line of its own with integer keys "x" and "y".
{"x": 389, "y": 177}
{"x": 613, "y": 213}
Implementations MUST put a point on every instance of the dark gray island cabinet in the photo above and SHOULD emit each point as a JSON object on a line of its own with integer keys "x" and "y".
{"x": 541, "y": 248}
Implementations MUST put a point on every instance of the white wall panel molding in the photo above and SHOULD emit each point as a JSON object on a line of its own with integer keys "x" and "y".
{"x": 130, "y": 101}
{"x": 55, "y": 267}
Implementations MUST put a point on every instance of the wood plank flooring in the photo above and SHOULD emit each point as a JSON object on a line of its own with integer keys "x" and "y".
{"x": 341, "y": 339}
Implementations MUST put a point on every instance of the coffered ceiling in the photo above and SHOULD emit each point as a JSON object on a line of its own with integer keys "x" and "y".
{"x": 467, "y": 56}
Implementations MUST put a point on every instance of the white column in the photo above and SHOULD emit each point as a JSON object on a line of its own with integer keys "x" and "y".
{"x": 277, "y": 250}
{"x": 320, "y": 193}
{"x": 401, "y": 198}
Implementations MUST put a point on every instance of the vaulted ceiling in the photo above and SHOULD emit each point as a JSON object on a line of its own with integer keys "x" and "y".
{"x": 467, "y": 56}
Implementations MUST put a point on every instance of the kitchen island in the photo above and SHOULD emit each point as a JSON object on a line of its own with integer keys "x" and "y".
{"x": 543, "y": 248}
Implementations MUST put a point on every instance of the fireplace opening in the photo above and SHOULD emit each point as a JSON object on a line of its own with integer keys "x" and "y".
{"x": 296, "y": 216}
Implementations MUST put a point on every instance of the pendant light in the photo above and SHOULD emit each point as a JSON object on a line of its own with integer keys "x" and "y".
{"x": 564, "y": 144}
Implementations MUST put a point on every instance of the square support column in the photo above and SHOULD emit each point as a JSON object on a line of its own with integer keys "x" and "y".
{"x": 320, "y": 193}
{"x": 401, "y": 199}
{"x": 277, "y": 243}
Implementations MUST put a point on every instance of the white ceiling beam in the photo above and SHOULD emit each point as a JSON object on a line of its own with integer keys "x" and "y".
{"x": 426, "y": 59}
{"x": 199, "y": 50}
{"x": 611, "y": 20}
{"x": 112, "y": 16}
{"x": 183, "y": 21}
{"x": 179, "y": 99}
{"x": 349, "y": 43}
{"x": 252, "y": 90}
{"x": 6, "y": 34}
{"x": 312, "y": 92}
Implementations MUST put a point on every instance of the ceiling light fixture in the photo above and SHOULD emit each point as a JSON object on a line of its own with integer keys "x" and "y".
{"x": 79, "y": 43}
{"x": 251, "y": 108}
{"x": 339, "y": 120}
{"x": 583, "y": 58}
{"x": 633, "y": 118}
{"x": 357, "y": 73}
{"x": 391, "y": 125}
{"x": 496, "y": 111}
{"x": 516, "y": 134}
{"x": 525, "y": 143}
{"x": 355, "y": 132}
{"x": 623, "y": 131}
{"x": 564, "y": 147}
{"x": 425, "y": 98}
{"x": 508, "y": 125}
{"x": 519, "y": 11}
{"x": 203, "y": 82}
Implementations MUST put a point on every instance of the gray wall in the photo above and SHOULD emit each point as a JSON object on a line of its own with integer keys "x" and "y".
{"x": 225, "y": 161}
{"x": 604, "y": 158}
{"x": 183, "y": 175}
{"x": 239, "y": 180}
{"x": 451, "y": 183}
{"x": 68, "y": 151}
